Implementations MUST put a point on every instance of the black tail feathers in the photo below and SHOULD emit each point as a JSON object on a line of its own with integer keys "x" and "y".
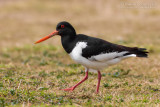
{"x": 140, "y": 52}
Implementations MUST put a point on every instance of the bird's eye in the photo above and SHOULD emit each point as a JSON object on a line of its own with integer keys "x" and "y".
{"x": 62, "y": 26}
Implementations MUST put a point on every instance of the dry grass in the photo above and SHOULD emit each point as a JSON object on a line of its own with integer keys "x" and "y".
{"x": 33, "y": 74}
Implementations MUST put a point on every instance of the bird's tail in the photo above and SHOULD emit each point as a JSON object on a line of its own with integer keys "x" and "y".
{"x": 139, "y": 52}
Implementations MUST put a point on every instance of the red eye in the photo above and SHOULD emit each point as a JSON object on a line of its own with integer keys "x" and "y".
{"x": 62, "y": 26}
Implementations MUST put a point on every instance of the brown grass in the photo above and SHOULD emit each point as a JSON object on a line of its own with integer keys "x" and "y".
{"x": 45, "y": 68}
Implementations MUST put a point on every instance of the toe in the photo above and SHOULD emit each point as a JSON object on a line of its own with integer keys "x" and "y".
{"x": 68, "y": 89}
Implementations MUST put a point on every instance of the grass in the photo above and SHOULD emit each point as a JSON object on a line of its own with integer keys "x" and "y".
{"x": 36, "y": 73}
{"x": 32, "y": 75}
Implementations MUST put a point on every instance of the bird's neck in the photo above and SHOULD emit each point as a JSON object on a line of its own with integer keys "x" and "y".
{"x": 68, "y": 42}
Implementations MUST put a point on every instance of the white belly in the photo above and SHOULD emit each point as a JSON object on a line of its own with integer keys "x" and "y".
{"x": 94, "y": 64}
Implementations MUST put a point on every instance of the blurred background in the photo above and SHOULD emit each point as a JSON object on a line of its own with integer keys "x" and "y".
{"x": 25, "y": 21}
{"x": 33, "y": 74}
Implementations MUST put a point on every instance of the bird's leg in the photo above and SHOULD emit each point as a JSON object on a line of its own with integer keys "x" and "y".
{"x": 99, "y": 80}
{"x": 72, "y": 88}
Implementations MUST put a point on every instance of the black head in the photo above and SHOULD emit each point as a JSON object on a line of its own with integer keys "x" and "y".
{"x": 64, "y": 28}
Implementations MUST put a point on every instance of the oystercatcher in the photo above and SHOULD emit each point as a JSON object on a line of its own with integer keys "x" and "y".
{"x": 92, "y": 53}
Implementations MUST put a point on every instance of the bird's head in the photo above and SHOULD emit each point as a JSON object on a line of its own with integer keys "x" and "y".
{"x": 63, "y": 29}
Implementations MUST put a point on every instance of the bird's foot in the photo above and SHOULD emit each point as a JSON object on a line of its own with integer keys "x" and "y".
{"x": 68, "y": 89}
{"x": 97, "y": 92}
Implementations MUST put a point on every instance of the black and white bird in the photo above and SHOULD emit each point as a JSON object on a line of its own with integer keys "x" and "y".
{"x": 92, "y": 53}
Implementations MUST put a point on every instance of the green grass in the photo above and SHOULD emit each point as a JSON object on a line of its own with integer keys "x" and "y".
{"x": 32, "y": 75}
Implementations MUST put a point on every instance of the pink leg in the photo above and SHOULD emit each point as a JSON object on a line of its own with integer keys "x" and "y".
{"x": 99, "y": 80}
{"x": 72, "y": 88}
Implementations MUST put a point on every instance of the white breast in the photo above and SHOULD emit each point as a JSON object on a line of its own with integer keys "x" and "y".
{"x": 76, "y": 53}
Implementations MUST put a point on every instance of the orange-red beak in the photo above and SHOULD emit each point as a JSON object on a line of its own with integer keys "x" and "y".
{"x": 47, "y": 37}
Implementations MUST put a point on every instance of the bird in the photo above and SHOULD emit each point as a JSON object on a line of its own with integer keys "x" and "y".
{"x": 91, "y": 52}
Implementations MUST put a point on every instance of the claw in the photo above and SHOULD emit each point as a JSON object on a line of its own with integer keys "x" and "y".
{"x": 68, "y": 89}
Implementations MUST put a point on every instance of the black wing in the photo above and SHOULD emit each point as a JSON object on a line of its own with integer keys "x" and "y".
{"x": 96, "y": 46}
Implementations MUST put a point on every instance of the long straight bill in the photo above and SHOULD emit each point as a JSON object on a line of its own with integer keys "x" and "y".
{"x": 47, "y": 37}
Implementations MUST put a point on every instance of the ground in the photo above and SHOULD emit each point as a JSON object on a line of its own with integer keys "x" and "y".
{"x": 32, "y": 75}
